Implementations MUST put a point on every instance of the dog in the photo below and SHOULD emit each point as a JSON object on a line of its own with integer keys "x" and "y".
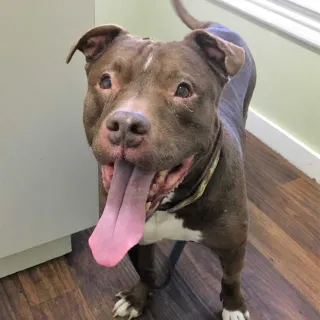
{"x": 166, "y": 123}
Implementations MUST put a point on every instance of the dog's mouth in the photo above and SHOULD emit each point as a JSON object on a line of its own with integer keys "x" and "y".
{"x": 163, "y": 182}
{"x": 133, "y": 196}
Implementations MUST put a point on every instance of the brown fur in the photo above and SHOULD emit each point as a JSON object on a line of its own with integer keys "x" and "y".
{"x": 180, "y": 128}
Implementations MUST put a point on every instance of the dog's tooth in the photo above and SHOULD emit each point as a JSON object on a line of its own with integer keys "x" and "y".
{"x": 163, "y": 173}
{"x": 148, "y": 205}
{"x": 161, "y": 179}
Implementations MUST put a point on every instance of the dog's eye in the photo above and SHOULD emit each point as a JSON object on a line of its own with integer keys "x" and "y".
{"x": 183, "y": 91}
{"x": 106, "y": 82}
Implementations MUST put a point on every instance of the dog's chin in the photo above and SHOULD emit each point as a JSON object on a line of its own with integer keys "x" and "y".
{"x": 164, "y": 182}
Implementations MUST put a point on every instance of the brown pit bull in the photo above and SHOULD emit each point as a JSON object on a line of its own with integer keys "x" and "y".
{"x": 166, "y": 123}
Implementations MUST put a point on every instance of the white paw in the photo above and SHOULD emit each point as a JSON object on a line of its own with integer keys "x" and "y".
{"x": 123, "y": 308}
{"x": 235, "y": 315}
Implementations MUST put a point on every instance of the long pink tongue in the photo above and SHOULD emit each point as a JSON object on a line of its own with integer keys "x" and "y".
{"x": 122, "y": 222}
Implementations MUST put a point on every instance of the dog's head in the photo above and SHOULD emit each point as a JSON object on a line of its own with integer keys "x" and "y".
{"x": 153, "y": 105}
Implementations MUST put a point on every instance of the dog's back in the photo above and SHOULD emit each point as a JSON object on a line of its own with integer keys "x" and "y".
{"x": 237, "y": 93}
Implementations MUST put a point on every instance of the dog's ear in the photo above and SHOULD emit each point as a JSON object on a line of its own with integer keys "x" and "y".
{"x": 94, "y": 42}
{"x": 222, "y": 55}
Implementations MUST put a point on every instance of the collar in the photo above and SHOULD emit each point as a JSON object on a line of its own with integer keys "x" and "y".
{"x": 204, "y": 179}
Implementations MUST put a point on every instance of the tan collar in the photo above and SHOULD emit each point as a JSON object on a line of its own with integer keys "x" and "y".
{"x": 202, "y": 186}
{"x": 202, "y": 183}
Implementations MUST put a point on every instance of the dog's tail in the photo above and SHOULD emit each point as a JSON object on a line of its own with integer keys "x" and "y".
{"x": 187, "y": 18}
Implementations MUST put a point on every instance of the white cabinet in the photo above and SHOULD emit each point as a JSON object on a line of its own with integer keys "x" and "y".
{"x": 48, "y": 176}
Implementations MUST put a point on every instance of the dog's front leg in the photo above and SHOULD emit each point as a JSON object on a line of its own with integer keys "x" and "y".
{"x": 132, "y": 302}
{"x": 232, "y": 262}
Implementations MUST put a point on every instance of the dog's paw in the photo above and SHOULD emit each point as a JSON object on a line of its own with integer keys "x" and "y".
{"x": 124, "y": 308}
{"x": 133, "y": 302}
{"x": 235, "y": 315}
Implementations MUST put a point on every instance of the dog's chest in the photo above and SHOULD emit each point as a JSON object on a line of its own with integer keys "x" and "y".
{"x": 163, "y": 225}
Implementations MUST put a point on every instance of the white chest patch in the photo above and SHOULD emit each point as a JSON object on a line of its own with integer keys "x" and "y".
{"x": 163, "y": 225}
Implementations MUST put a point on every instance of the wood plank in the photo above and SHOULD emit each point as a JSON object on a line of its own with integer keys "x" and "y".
{"x": 70, "y": 305}
{"x": 13, "y": 301}
{"x": 265, "y": 165}
{"x": 293, "y": 217}
{"x": 269, "y": 294}
{"x": 304, "y": 209}
{"x": 193, "y": 293}
{"x": 47, "y": 281}
{"x": 6, "y": 309}
{"x": 280, "y": 279}
{"x": 293, "y": 262}
{"x": 284, "y": 193}
{"x": 305, "y": 192}
{"x": 263, "y": 286}
{"x": 98, "y": 284}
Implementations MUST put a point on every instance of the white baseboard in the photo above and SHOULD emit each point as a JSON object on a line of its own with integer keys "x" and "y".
{"x": 286, "y": 145}
{"x": 34, "y": 256}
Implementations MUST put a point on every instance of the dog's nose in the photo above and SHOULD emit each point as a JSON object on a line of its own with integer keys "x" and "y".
{"x": 127, "y": 128}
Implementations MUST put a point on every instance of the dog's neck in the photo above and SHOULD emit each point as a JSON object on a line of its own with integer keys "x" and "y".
{"x": 195, "y": 184}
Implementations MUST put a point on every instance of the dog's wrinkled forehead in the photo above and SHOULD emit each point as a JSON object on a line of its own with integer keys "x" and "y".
{"x": 198, "y": 51}
{"x": 127, "y": 53}
{"x": 150, "y": 62}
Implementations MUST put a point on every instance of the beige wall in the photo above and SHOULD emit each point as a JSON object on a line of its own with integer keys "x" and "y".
{"x": 130, "y": 14}
{"x": 288, "y": 90}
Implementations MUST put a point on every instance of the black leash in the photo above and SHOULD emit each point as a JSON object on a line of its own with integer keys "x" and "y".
{"x": 173, "y": 259}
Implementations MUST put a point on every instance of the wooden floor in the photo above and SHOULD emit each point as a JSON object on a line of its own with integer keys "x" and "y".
{"x": 281, "y": 279}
